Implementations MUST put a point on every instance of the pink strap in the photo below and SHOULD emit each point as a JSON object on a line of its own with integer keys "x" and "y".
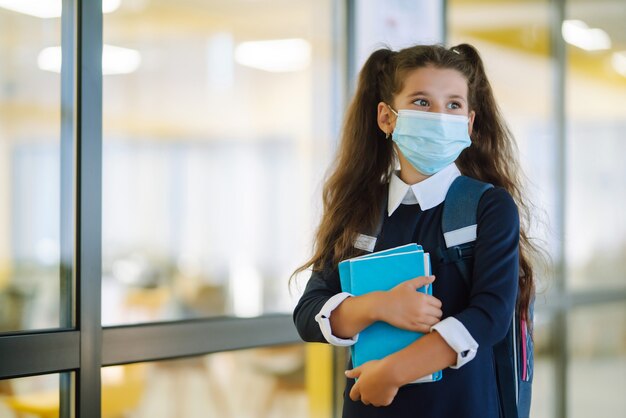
{"x": 524, "y": 367}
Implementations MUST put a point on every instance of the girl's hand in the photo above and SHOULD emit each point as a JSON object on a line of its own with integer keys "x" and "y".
{"x": 376, "y": 385}
{"x": 404, "y": 307}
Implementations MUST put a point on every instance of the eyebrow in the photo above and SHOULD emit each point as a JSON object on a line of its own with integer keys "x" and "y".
{"x": 419, "y": 93}
{"x": 425, "y": 93}
{"x": 456, "y": 96}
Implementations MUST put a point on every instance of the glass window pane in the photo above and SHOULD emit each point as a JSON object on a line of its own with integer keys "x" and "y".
{"x": 597, "y": 364}
{"x": 35, "y": 396}
{"x": 29, "y": 170}
{"x": 260, "y": 382}
{"x": 513, "y": 38}
{"x": 596, "y": 116}
{"x": 216, "y": 133}
{"x": 544, "y": 374}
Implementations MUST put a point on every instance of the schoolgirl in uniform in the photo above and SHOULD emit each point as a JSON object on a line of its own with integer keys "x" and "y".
{"x": 384, "y": 126}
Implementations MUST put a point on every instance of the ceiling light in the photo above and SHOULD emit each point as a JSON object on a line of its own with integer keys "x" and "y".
{"x": 619, "y": 62}
{"x": 577, "y": 33}
{"x": 49, "y": 8}
{"x": 277, "y": 56}
{"x": 115, "y": 60}
{"x": 109, "y": 6}
{"x": 49, "y": 59}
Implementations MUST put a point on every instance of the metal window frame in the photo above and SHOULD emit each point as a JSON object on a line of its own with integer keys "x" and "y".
{"x": 559, "y": 323}
{"x": 87, "y": 347}
{"x": 41, "y": 353}
{"x": 170, "y": 340}
{"x": 80, "y": 347}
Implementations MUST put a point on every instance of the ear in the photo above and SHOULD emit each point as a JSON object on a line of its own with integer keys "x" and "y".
{"x": 386, "y": 119}
{"x": 470, "y": 126}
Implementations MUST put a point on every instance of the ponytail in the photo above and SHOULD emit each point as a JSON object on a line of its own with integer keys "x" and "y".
{"x": 493, "y": 158}
{"x": 490, "y": 135}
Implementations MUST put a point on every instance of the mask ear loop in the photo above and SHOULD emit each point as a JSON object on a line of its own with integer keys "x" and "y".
{"x": 388, "y": 134}
{"x": 393, "y": 111}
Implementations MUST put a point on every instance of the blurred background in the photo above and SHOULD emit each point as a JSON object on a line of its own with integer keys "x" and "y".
{"x": 220, "y": 119}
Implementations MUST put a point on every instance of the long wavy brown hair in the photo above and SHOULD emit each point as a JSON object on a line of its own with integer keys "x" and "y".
{"x": 353, "y": 193}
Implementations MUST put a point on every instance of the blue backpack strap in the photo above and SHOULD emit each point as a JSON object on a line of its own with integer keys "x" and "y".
{"x": 525, "y": 364}
{"x": 514, "y": 354}
{"x": 459, "y": 226}
{"x": 459, "y": 210}
{"x": 514, "y": 367}
{"x": 458, "y": 222}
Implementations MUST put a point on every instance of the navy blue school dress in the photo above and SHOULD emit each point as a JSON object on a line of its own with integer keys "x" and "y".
{"x": 479, "y": 314}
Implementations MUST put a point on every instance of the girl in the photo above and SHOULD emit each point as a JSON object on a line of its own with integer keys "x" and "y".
{"x": 397, "y": 92}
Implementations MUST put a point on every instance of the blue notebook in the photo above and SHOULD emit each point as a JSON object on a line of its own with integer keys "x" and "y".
{"x": 384, "y": 270}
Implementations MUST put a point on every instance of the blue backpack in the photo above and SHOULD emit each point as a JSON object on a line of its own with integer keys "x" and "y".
{"x": 514, "y": 354}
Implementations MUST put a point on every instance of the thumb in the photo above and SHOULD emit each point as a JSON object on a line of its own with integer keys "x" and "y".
{"x": 421, "y": 281}
{"x": 354, "y": 373}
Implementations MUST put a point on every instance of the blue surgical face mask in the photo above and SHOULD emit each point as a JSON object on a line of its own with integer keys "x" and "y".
{"x": 430, "y": 141}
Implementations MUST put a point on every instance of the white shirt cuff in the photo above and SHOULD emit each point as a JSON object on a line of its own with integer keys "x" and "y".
{"x": 323, "y": 319}
{"x": 458, "y": 338}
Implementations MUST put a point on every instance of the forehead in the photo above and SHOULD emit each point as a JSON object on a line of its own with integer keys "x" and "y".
{"x": 436, "y": 81}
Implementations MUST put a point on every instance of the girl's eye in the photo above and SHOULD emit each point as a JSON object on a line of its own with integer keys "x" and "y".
{"x": 421, "y": 102}
{"x": 454, "y": 105}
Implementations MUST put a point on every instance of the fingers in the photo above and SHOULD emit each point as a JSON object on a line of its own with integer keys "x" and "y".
{"x": 355, "y": 395}
{"x": 427, "y": 305}
{"x": 355, "y": 392}
{"x": 424, "y": 324}
{"x": 354, "y": 373}
{"x": 433, "y": 311}
{"x": 433, "y": 301}
{"x": 421, "y": 281}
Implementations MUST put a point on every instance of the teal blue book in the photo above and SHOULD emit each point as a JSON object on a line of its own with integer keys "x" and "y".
{"x": 378, "y": 271}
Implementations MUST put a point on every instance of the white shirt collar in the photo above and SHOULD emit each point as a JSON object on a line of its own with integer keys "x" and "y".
{"x": 428, "y": 193}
